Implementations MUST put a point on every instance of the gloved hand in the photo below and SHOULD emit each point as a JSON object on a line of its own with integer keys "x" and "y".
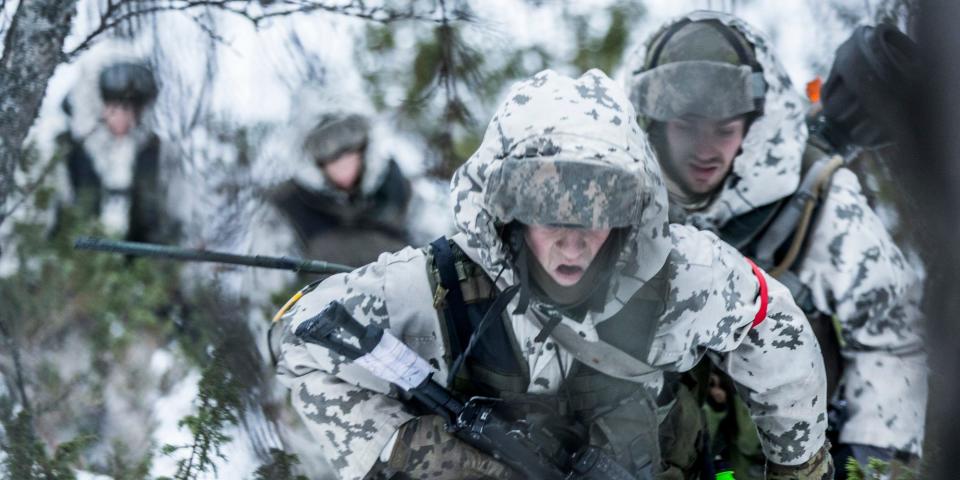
{"x": 820, "y": 467}
{"x": 424, "y": 449}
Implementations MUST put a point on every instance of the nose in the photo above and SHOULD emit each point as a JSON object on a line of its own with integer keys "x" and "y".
{"x": 572, "y": 244}
{"x": 704, "y": 148}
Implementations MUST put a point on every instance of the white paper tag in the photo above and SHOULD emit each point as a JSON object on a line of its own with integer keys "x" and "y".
{"x": 393, "y": 361}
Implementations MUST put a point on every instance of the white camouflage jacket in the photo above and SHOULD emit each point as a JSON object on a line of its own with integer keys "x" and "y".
{"x": 852, "y": 266}
{"x": 711, "y": 304}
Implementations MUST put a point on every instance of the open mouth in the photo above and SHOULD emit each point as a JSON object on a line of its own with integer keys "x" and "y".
{"x": 569, "y": 273}
{"x": 569, "y": 269}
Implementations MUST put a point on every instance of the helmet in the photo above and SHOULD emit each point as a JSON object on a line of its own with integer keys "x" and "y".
{"x": 563, "y": 191}
{"x": 698, "y": 67}
{"x": 128, "y": 82}
{"x": 335, "y": 134}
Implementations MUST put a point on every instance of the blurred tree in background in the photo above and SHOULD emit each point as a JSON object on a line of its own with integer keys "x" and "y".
{"x": 443, "y": 82}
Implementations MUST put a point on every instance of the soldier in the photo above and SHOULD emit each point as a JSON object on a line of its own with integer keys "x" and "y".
{"x": 348, "y": 207}
{"x": 333, "y": 190}
{"x": 730, "y": 135}
{"x": 564, "y": 245}
{"x": 112, "y": 157}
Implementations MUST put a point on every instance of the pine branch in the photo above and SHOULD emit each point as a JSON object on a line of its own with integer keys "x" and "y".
{"x": 220, "y": 404}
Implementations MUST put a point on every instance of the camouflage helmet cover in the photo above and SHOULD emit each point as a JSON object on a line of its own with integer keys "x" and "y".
{"x": 703, "y": 68}
{"x": 566, "y": 152}
{"x": 129, "y": 82}
{"x": 564, "y": 192}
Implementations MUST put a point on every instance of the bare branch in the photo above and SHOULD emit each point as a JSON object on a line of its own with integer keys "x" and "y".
{"x": 14, "y": 349}
{"x": 112, "y": 16}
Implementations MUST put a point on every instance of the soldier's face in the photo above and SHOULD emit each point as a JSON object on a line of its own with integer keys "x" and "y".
{"x": 565, "y": 253}
{"x": 344, "y": 171}
{"x": 120, "y": 118}
{"x": 701, "y": 150}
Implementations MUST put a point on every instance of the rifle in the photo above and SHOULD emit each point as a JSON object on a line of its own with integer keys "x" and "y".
{"x": 531, "y": 451}
{"x": 199, "y": 255}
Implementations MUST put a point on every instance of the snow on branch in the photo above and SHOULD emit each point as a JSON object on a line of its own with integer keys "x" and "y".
{"x": 116, "y": 12}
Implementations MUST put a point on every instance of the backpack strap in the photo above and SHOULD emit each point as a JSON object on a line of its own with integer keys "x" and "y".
{"x": 795, "y": 218}
{"x": 449, "y": 292}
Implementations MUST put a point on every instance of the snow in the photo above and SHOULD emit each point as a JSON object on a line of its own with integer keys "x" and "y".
{"x": 179, "y": 402}
{"x": 82, "y": 475}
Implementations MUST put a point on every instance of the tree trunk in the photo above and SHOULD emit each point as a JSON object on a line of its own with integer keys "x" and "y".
{"x": 33, "y": 48}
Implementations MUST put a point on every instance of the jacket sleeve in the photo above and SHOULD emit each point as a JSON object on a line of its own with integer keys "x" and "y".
{"x": 857, "y": 274}
{"x": 350, "y": 413}
{"x": 776, "y": 365}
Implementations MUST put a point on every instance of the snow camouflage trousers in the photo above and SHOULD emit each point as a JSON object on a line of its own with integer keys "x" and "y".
{"x": 820, "y": 467}
{"x": 424, "y": 449}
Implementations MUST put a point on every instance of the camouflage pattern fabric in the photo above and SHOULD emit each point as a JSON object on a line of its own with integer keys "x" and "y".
{"x": 424, "y": 449}
{"x": 856, "y": 273}
{"x": 563, "y": 192}
{"x": 852, "y": 266}
{"x": 709, "y": 307}
{"x": 709, "y": 89}
{"x": 817, "y": 468}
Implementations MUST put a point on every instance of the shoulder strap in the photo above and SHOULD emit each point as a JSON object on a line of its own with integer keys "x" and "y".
{"x": 454, "y": 306}
{"x": 795, "y": 217}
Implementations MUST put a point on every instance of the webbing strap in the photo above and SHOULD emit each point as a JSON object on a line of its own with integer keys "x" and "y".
{"x": 795, "y": 216}
{"x": 454, "y": 307}
{"x": 493, "y": 313}
{"x": 764, "y": 297}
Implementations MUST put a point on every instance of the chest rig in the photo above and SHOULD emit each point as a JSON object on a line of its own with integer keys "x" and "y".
{"x": 144, "y": 194}
{"x": 618, "y": 414}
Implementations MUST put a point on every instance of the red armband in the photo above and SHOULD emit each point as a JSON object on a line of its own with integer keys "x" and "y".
{"x": 764, "y": 298}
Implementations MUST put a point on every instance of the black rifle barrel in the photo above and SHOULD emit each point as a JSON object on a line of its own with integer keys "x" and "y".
{"x": 198, "y": 255}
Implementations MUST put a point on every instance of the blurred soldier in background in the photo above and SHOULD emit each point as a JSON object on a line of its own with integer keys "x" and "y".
{"x": 730, "y": 136}
{"x": 112, "y": 156}
{"x": 328, "y": 187}
{"x": 348, "y": 206}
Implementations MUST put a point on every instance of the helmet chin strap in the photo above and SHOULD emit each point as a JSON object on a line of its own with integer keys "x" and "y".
{"x": 589, "y": 293}
{"x": 522, "y": 254}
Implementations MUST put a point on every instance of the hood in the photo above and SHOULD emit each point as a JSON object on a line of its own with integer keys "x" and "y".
{"x": 553, "y": 121}
{"x": 768, "y": 166}
{"x": 284, "y": 155}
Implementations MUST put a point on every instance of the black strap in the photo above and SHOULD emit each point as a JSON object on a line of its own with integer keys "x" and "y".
{"x": 495, "y": 310}
{"x": 655, "y": 55}
{"x": 454, "y": 306}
